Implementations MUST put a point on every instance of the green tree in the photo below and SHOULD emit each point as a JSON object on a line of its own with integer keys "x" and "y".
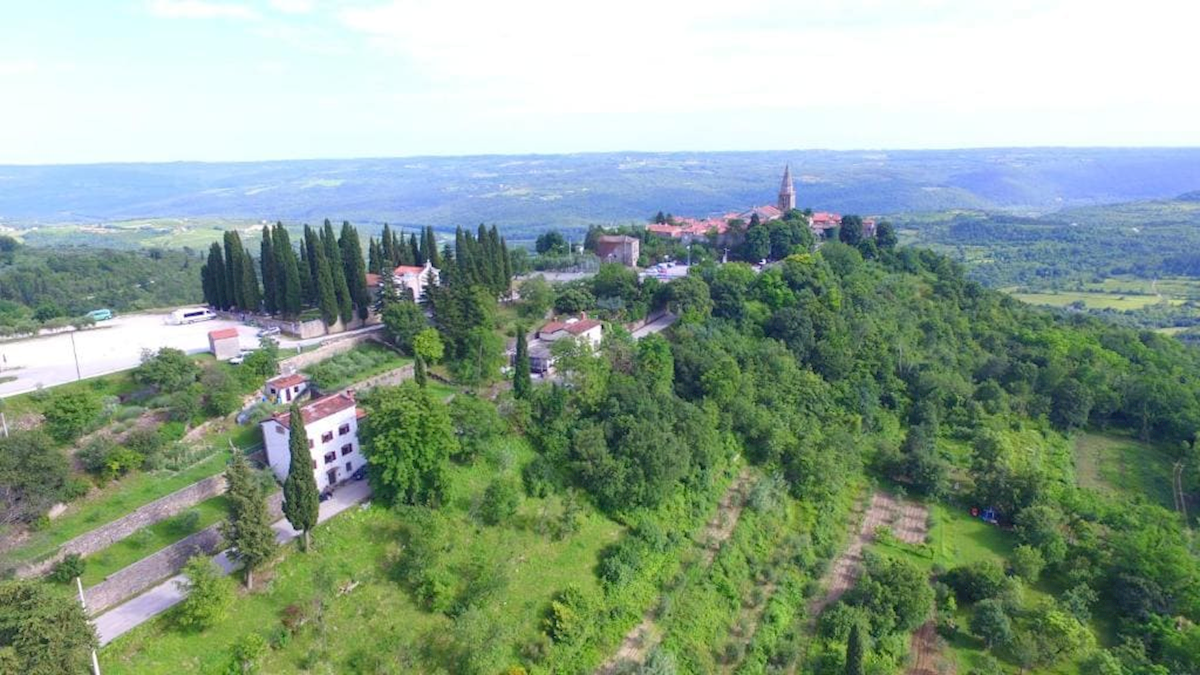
{"x": 427, "y": 344}
{"x": 403, "y": 321}
{"x": 248, "y": 652}
{"x": 522, "y": 381}
{"x": 168, "y": 369}
{"x": 337, "y": 271}
{"x": 1027, "y": 562}
{"x": 218, "y": 279}
{"x": 48, "y": 633}
{"x": 690, "y": 299}
{"x": 536, "y": 297}
{"x": 855, "y": 651}
{"x": 248, "y": 528}
{"x": 291, "y": 288}
{"x": 885, "y": 235}
{"x": 301, "y": 503}
{"x": 262, "y": 363}
{"x": 208, "y": 594}
{"x": 326, "y": 292}
{"x": 500, "y": 501}
{"x": 69, "y": 414}
{"x": 419, "y": 374}
{"x": 851, "y": 230}
{"x": 551, "y": 242}
{"x": 356, "y": 270}
{"x": 408, "y": 439}
{"x": 269, "y": 267}
{"x": 991, "y": 623}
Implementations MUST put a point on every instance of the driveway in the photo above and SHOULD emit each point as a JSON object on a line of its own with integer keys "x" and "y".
{"x": 123, "y": 618}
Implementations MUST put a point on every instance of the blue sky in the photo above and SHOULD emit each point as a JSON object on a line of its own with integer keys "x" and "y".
{"x": 167, "y": 80}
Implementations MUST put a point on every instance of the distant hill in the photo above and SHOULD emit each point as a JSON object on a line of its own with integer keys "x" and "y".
{"x": 530, "y": 193}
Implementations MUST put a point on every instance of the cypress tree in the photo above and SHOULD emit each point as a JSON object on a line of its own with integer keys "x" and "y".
{"x": 312, "y": 244}
{"x": 307, "y": 284}
{"x": 522, "y": 382}
{"x": 337, "y": 270}
{"x": 301, "y": 503}
{"x": 250, "y": 290}
{"x": 269, "y": 265}
{"x": 220, "y": 281}
{"x": 429, "y": 249}
{"x": 387, "y": 247}
{"x": 855, "y": 651}
{"x": 419, "y": 375}
{"x": 291, "y": 289}
{"x": 356, "y": 270}
{"x": 506, "y": 267}
{"x": 414, "y": 250}
{"x": 372, "y": 256}
{"x": 248, "y": 528}
{"x": 326, "y": 296}
{"x": 235, "y": 262}
{"x": 206, "y": 284}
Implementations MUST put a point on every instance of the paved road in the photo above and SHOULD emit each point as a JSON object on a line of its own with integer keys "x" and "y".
{"x": 123, "y": 618}
{"x": 115, "y": 345}
{"x": 656, "y": 326}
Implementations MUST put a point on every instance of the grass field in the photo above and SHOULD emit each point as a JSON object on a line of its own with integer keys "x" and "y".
{"x": 361, "y": 362}
{"x": 1092, "y": 300}
{"x": 153, "y": 538}
{"x": 1121, "y": 464}
{"x": 378, "y": 621}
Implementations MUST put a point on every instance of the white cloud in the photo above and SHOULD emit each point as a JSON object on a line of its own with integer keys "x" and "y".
{"x": 200, "y": 9}
{"x": 293, "y": 6}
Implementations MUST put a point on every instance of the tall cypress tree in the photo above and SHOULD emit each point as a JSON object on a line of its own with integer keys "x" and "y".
{"x": 235, "y": 275}
{"x": 429, "y": 247}
{"x": 356, "y": 270}
{"x": 419, "y": 375}
{"x": 301, "y": 503}
{"x": 248, "y": 528}
{"x": 312, "y": 244}
{"x": 341, "y": 288}
{"x": 414, "y": 251}
{"x": 220, "y": 281}
{"x": 522, "y": 382}
{"x": 506, "y": 269}
{"x": 855, "y": 651}
{"x": 387, "y": 246}
{"x": 206, "y": 285}
{"x": 252, "y": 296}
{"x": 269, "y": 265}
{"x": 326, "y": 296}
{"x": 291, "y": 288}
{"x": 372, "y": 256}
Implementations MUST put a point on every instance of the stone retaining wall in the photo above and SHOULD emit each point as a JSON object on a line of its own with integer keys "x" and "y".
{"x": 165, "y": 563}
{"x": 325, "y": 351}
{"x": 107, "y": 535}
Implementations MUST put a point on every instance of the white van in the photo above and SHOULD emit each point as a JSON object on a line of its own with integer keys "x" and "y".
{"x": 190, "y": 315}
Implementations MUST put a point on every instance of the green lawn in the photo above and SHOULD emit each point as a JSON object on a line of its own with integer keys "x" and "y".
{"x": 153, "y": 538}
{"x": 379, "y": 619}
{"x": 1114, "y": 463}
{"x": 1091, "y": 300}
{"x": 363, "y": 361}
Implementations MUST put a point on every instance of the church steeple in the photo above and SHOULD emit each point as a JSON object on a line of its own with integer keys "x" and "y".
{"x": 787, "y": 192}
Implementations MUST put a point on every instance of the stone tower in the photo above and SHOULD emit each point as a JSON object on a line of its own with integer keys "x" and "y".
{"x": 787, "y": 193}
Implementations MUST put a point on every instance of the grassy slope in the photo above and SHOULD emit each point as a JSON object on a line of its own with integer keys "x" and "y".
{"x": 1112, "y": 463}
{"x": 358, "y": 545}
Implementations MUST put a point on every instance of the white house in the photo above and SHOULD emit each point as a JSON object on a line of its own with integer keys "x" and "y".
{"x": 587, "y": 329}
{"x": 285, "y": 388}
{"x": 416, "y": 279}
{"x": 331, "y": 424}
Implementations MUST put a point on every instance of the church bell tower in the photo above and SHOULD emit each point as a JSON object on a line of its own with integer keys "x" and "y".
{"x": 787, "y": 193}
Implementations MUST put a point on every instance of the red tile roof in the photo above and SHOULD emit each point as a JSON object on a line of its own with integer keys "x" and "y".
{"x": 222, "y": 334}
{"x": 320, "y": 408}
{"x": 574, "y": 328}
{"x": 285, "y": 381}
{"x": 372, "y": 280}
{"x": 407, "y": 269}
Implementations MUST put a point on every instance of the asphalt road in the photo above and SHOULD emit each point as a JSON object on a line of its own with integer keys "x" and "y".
{"x": 112, "y": 346}
{"x": 125, "y": 617}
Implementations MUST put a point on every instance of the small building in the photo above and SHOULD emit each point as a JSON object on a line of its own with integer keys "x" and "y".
{"x": 331, "y": 424}
{"x": 224, "y": 343}
{"x": 540, "y": 360}
{"x": 416, "y": 279}
{"x": 619, "y": 248}
{"x": 590, "y": 330}
{"x": 822, "y": 222}
{"x": 285, "y": 388}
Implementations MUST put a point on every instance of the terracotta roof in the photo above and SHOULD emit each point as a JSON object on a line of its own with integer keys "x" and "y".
{"x": 574, "y": 328}
{"x": 222, "y": 333}
{"x": 616, "y": 238}
{"x": 407, "y": 269}
{"x": 320, "y": 408}
{"x": 285, "y": 381}
{"x": 372, "y": 280}
{"x": 825, "y": 217}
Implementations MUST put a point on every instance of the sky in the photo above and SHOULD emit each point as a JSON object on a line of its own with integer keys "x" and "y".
{"x": 85, "y": 81}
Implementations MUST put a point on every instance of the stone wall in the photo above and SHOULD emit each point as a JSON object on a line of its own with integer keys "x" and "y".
{"x": 391, "y": 377}
{"x": 151, "y": 570}
{"x": 107, "y": 535}
{"x": 325, "y": 351}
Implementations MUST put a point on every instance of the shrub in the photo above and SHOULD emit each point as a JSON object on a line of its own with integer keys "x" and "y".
{"x": 500, "y": 501}
{"x": 209, "y": 594}
{"x": 977, "y": 581}
{"x": 68, "y": 568}
{"x": 247, "y": 653}
{"x": 71, "y": 413}
{"x": 186, "y": 522}
{"x": 93, "y": 454}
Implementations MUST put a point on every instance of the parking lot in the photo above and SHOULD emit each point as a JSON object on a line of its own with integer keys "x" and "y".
{"x": 112, "y": 345}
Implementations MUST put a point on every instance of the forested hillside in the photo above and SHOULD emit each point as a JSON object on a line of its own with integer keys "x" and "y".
{"x": 38, "y": 285}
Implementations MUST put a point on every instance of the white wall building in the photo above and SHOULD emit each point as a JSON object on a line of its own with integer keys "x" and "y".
{"x": 587, "y": 329}
{"x": 416, "y": 279}
{"x": 331, "y": 424}
{"x": 285, "y": 388}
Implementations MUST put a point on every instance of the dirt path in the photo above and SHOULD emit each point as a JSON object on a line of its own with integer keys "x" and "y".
{"x": 908, "y": 522}
{"x": 925, "y": 651}
{"x": 643, "y": 637}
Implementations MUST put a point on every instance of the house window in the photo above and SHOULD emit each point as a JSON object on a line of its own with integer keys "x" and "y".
{"x": 349, "y": 469}
{"x": 330, "y": 457}
{"x": 347, "y": 449}
{"x": 314, "y": 465}
{"x": 310, "y": 444}
{"x": 327, "y": 436}
{"x": 279, "y": 430}
{"x": 343, "y": 430}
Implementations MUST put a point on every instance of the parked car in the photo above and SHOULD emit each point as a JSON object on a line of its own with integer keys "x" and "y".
{"x": 360, "y": 474}
{"x": 325, "y": 495}
{"x": 269, "y": 330}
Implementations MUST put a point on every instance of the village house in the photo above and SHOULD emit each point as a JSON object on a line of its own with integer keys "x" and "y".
{"x": 415, "y": 279}
{"x": 285, "y": 388}
{"x": 224, "y": 343}
{"x": 589, "y": 330}
{"x": 619, "y": 248}
{"x": 331, "y": 424}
